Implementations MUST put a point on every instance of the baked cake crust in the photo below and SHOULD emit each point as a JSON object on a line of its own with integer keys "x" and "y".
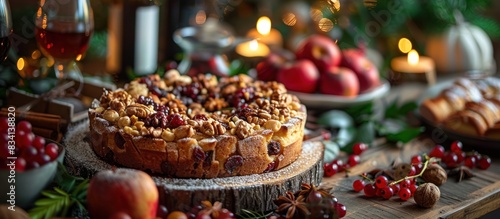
{"x": 198, "y": 127}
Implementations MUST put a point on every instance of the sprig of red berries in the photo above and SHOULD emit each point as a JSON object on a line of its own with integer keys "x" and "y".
{"x": 455, "y": 157}
{"x": 379, "y": 184}
{"x": 375, "y": 184}
{"x": 339, "y": 165}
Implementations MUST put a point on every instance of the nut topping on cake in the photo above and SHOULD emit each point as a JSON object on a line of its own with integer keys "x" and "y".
{"x": 191, "y": 127}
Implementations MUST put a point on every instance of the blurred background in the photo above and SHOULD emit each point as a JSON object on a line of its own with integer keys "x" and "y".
{"x": 375, "y": 26}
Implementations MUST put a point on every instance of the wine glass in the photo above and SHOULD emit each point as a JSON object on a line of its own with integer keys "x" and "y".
{"x": 5, "y": 28}
{"x": 63, "y": 29}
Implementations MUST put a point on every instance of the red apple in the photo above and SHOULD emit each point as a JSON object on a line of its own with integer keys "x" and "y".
{"x": 122, "y": 192}
{"x": 365, "y": 70}
{"x": 321, "y": 50}
{"x": 339, "y": 81}
{"x": 267, "y": 69}
{"x": 301, "y": 76}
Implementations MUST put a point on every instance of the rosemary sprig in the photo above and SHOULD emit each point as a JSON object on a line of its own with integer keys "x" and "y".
{"x": 68, "y": 192}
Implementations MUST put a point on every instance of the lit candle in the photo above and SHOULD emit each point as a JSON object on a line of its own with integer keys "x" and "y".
{"x": 413, "y": 63}
{"x": 266, "y": 34}
{"x": 252, "y": 48}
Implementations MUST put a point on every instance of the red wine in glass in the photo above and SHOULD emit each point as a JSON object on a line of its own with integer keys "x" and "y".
{"x": 63, "y": 45}
{"x": 4, "y": 47}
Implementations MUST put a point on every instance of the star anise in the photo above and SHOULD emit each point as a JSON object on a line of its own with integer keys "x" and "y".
{"x": 461, "y": 173}
{"x": 305, "y": 189}
{"x": 292, "y": 207}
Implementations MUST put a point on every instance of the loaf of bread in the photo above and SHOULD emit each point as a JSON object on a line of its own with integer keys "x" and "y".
{"x": 471, "y": 107}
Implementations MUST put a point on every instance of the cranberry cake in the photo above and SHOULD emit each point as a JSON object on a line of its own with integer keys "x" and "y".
{"x": 198, "y": 127}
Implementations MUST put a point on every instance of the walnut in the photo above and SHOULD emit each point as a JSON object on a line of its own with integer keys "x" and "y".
{"x": 243, "y": 129}
{"x": 426, "y": 195}
{"x": 138, "y": 110}
{"x": 434, "y": 173}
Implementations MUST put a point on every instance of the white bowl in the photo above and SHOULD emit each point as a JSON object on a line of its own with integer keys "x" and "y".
{"x": 28, "y": 184}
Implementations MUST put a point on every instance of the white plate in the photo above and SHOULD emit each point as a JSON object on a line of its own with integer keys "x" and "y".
{"x": 334, "y": 101}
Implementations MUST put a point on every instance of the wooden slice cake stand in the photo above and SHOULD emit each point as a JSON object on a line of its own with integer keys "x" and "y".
{"x": 253, "y": 192}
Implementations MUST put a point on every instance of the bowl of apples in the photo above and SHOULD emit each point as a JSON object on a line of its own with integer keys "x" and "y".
{"x": 322, "y": 75}
{"x": 28, "y": 163}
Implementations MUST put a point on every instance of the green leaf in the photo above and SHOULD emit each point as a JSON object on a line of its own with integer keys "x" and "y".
{"x": 365, "y": 133}
{"x": 58, "y": 200}
{"x": 335, "y": 119}
{"x": 48, "y": 207}
{"x": 360, "y": 110}
{"x": 344, "y": 136}
{"x": 332, "y": 150}
{"x": 405, "y": 135}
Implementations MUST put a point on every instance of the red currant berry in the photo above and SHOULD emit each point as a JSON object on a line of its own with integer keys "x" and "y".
{"x": 24, "y": 126}
{"x": 20, "y": 164}
{"x": 413, "y": 187}
{"x": 413, "y": 171}
{"x": 330, "y": 169}
{"x": 418, "y": 167}
{"x": 52, "y": 150}
{"x": 161, "y": 211}
{"x": 387, "y": 192}
{"x": 470, "y": 161}
{"x": 340, "y": 165}
{"x": 405, "y": 183}
{"x": 395, "y": 188}
{"x": 437, "y": 151}
{"x": 484, "y": 163}
{"x": 369, "y": 190}
{"x": 416, "y": 159}
{"x": 451, "y": 160}
{"x": 341, "y": 210}
{"x": 456, "y": 147}
{"x": 225, "y": 214}
{"x": 404, "y": 194}
{"x": 353, "y": 160}
{"x": 32, "y": 165}
{"x": 358, "y": 185}
{"x": 42, "y": 159}
{"x": 460, "y": 157}
{"x": 29, "y": 153}
{"x": 326, "y": 135}
{"x": 38, "y": 143}
{"x": 381, "y": 182}
{"x": 359, "y": 148}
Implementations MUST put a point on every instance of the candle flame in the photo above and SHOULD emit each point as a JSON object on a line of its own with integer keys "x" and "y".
{"x": 264, "y": 25}
{"x": 413, "y": 57}
{"x": 254, "y": 45}
{"x": 404, "y": 45}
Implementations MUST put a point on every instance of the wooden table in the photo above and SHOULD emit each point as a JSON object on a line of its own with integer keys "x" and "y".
{"x": 471, "y": 198}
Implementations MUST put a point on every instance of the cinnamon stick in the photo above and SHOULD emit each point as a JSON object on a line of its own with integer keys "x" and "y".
{"x": 47, "y": 133}
{"x": 41, "y": 120}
